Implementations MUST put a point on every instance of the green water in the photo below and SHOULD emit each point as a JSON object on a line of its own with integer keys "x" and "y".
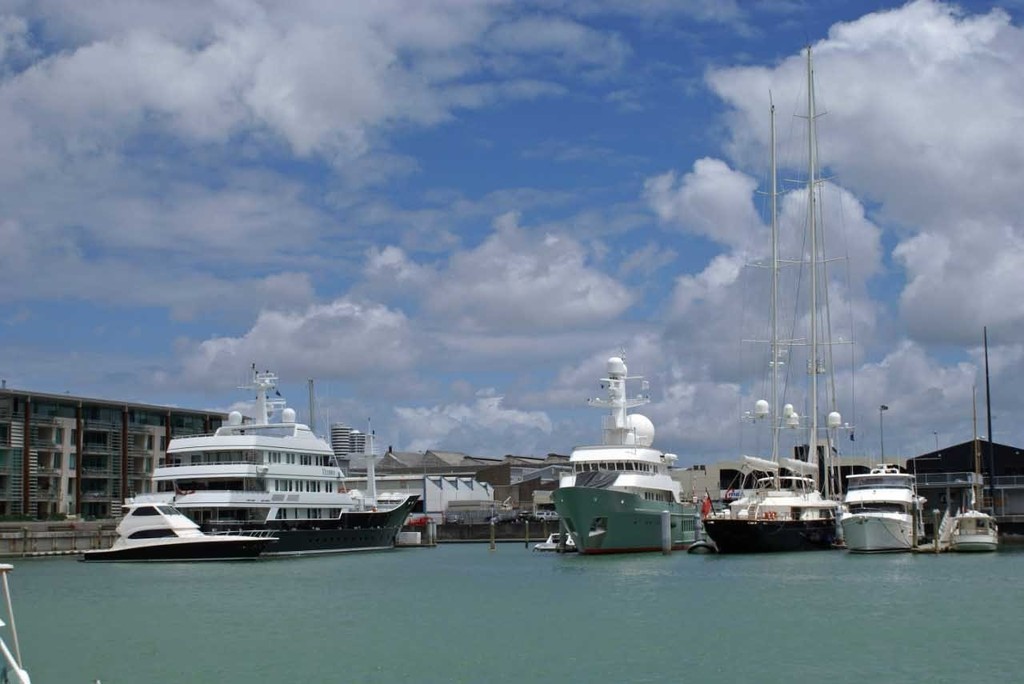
{"x": 463, "y": 613}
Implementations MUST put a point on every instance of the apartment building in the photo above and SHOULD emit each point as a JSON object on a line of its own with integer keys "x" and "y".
{"x": 68, "y": 455}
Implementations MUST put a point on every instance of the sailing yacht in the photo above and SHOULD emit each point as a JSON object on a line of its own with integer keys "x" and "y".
{"x": 971, "y": 529}
{"x": 786, "y": 510}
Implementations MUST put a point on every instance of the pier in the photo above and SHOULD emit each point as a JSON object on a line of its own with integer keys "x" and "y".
{"x": 65, "y": 538}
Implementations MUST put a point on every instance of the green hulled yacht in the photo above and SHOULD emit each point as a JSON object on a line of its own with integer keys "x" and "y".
{"x": 620, "y": 497}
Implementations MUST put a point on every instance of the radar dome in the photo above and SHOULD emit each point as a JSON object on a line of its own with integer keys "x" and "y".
{"x": 616, "y": 366}
{"x": 793, "y": 420}
{"x": 288, "y": 415}
{"x": 761, "y": 408}
{"x": 642, "y": 429}
{"x": 834, "y": 419}
{"x": 234, "y": 418}
{"x": 787, "y": 410}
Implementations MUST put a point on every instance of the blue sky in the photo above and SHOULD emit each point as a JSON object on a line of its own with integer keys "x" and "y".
{"x": 449, "y": 214}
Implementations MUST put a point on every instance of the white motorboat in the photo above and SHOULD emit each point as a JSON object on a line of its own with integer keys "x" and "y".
{"x": 883, "y": 511}
{"x": 970, "y": 529}
{"x": 275, "y": 476}
{"x": 974, "y": 531}
{"x": 13, "y": 666}
{"x": 160, "y": 532}
{"x": 554, "y": 543}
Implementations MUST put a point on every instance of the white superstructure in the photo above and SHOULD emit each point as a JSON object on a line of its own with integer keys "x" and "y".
{"x": 256, "y": 472}
{"x": 625, "y": 453}
{"x": 882, "y": 511}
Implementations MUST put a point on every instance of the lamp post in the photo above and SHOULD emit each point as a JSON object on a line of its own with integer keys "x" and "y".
{"x": 936, "y": 434}
{"x": 881, "y": 431}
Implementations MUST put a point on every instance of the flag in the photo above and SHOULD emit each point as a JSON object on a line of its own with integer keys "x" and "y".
{"x": 705, "y": 508}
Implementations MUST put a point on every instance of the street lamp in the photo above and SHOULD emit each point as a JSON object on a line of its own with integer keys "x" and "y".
{"x": 936, "y": 434}
{"x": 881, "y": 431}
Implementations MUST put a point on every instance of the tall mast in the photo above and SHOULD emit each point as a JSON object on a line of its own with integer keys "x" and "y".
{"x": 988, "y": 410}
{"x": 312, "y": 408}
{"x": 774, "y": 351}
{"x": 977, "y": 448}
{"x": 812, "y": 162}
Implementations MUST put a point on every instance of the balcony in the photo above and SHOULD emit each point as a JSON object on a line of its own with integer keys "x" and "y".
{"x": 946, "y": 479}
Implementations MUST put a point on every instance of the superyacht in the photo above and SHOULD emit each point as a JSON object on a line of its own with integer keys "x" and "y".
{"x": 274, "y": 477}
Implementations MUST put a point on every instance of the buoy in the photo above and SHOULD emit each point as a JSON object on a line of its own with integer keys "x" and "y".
{"x": 703, "y": 546}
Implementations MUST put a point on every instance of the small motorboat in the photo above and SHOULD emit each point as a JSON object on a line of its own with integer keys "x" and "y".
{"x": 974, "y": 531}
{"x": 554, "y": 543}
{"x": 160, "y": 532}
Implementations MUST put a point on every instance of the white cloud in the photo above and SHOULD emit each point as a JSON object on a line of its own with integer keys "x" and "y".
{"x": 704, "y": 201}
{"x": 922, "y": 126}
{"x": 474, "y": 428}
{"x": 960, "y": 283}
{"x": 339, "y": 339}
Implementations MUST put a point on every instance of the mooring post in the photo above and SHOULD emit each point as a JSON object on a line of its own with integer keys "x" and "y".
{"x": 666, "y": 532}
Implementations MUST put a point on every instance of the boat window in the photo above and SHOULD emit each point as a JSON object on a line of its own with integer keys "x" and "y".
{"x": 152, "y": 534}
{"x": 169, "y": 510}
{"x": 145, "y": 510}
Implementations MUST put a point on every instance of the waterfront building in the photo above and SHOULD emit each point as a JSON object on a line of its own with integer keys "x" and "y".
{"x": 341, "y": 440}
{"x": 442, "y": 478}
{"x": 348, "y": 444}
{"x": 69, "y": 455}
{"x": 947, "y": 476}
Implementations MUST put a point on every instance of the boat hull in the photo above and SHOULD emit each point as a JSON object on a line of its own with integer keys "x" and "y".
{"x": 733, "y": 535}
{"x": 201, "y": 549}
{"x": 606, "y": 521}
{"x": 353, "y": 531}
{"x": 877, "y": 533}
{"x": 974, "y": 543}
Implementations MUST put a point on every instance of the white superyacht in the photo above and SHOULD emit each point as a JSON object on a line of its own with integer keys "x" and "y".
{"x": 276, "y": 476}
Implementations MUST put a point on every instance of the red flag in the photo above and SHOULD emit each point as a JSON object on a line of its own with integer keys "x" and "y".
{"x": 705, "y": 507}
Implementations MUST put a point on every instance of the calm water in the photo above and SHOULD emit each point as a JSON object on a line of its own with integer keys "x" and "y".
{"x": 463, "y": 613}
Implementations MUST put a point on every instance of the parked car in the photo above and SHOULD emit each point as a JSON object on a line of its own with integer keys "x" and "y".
{"x": 545, "y": 515}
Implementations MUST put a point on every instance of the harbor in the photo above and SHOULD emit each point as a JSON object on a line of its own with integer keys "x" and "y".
{"x": 73, "y": 537}
{"x": 465, "y": 613}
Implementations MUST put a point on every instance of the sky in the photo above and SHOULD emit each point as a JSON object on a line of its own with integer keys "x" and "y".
{"x": 450, "y": 214}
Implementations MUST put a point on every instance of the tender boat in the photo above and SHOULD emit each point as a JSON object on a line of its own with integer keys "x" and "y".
{"x": 974, "y": 531}
{"x": 789, "y": 509}
{"x": 160, "y": 532}
{"x": 12, "y": 659}
{"x": 277, "y": 477}
{"x": 554, "y": 543}
{"x": 971, "y": 529}
{"x": 883, "y": 511}
{"x": 618, "y": 496}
